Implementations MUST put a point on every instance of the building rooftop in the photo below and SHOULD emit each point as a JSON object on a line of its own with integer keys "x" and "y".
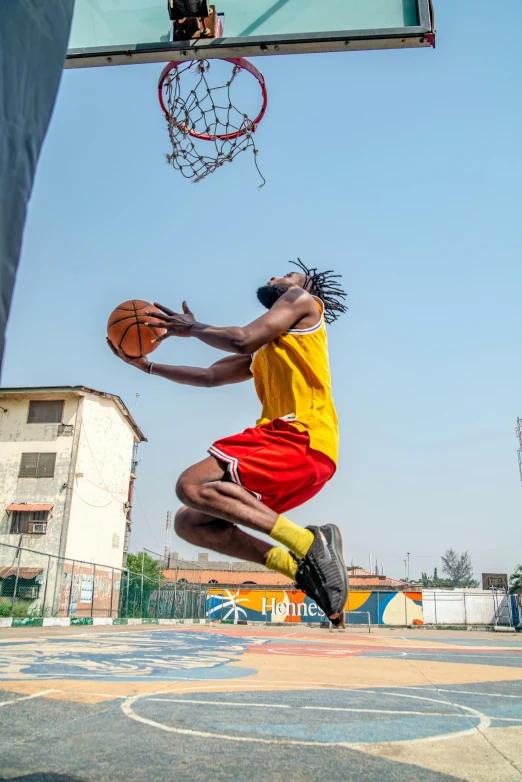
{"x": 221, "y": 572}
{"x": 79, "y": 390}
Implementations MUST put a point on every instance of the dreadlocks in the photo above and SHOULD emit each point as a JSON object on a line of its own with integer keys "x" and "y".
{"x": 324, "y": 285}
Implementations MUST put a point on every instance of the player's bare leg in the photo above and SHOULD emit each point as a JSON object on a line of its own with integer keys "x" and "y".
{"x": 202, "y": 487}
{"x": 219, "y": 535}
{"x": 214, "y": 506}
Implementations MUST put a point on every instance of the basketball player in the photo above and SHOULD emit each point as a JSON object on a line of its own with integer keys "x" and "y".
{"x": 252, "y": 478}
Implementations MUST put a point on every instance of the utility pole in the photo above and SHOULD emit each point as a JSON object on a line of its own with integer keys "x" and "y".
{"x": 142, "y": 566}
{"x": 168, "y": 537}
{"x": 518, "y": 431}
{"x": 408, "y": 578}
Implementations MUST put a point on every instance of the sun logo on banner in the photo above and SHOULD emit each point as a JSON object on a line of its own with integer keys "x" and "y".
{"x": 228, "y": 602}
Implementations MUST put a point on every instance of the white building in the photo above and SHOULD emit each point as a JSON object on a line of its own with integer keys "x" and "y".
{"x": 66, "y": 472}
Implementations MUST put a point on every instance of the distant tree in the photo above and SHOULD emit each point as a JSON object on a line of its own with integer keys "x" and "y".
{"x": 135, "y": 595}
{"x": 515, "y": 580}
{"x": 458, "y": 569}
{"x": 151, "y": 566}
{"x": 434, "y": 580}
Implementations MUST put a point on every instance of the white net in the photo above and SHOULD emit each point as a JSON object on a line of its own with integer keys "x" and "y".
{"x": 205, "y": 128}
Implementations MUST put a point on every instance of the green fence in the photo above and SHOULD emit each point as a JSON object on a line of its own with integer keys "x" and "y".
{"x": 33, "y": 584}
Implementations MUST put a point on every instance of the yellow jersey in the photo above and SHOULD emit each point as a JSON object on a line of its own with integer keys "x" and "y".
{"x": 292, "y": 380}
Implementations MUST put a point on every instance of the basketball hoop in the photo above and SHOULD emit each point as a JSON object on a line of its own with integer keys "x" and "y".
{"x": 206, "y": 113}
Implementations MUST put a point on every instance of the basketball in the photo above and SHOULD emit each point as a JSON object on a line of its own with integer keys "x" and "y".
{"x": 126, "y": 328}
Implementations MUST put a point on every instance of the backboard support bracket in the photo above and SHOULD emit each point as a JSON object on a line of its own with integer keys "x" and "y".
{"x": 225, "y": 48}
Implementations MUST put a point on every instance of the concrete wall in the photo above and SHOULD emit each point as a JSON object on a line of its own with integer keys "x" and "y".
{"x": 17, "y": 437}
{"x": 96, "y": 530}
{"x": 459, "y": 606}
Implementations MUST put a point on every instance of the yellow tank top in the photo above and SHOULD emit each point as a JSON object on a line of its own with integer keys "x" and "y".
{"x": 292, "y": 380}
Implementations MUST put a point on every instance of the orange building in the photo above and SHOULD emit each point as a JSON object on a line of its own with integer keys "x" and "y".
{"x": 223, "y": 573}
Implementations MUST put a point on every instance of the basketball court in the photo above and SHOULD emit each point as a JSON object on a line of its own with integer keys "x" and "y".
{"x": 229, "y": 702}
{"x": 250, "y": 703}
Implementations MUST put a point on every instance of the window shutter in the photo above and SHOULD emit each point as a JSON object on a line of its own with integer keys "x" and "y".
{"x": 45, "y": 467}
{"x": 28, "y": 465}
{"x": 45, "y": 412}
{"x": 37, "y": 465}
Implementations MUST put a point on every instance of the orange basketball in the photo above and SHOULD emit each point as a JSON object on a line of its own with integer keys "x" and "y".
{"x": 126, "y": 328}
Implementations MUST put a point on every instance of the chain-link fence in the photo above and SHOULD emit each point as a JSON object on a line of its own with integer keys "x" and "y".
{"x": 33, "y": 584}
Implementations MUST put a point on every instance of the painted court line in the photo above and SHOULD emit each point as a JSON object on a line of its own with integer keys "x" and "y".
{"x": 484, "y": 722}
{"x": 309, "y": 708}
{"x": 483, "y": 694}
{"x": 27, "y": 697}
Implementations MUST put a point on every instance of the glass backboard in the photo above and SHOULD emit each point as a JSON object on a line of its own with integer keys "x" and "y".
{"x": 119, "y": 32}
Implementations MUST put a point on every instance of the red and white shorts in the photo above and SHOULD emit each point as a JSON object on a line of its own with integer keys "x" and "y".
{"x": 275, "y": 463}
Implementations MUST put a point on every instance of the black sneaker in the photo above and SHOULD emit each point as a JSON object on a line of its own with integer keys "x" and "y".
{"x": 322, "y": 573}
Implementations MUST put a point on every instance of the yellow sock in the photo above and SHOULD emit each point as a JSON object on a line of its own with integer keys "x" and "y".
{"x": 280, "y": 560}
{"x": 297, "y": 539}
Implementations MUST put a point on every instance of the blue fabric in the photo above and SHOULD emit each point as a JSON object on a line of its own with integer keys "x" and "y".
{"x": 33, "y": 44}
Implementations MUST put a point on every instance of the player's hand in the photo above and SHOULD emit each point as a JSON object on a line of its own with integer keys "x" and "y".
{"x": 177, "y": 324}
{"x": 142, "y": 363}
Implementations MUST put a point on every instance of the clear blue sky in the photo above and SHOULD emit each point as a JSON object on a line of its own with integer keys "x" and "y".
{"x": 399, "y": 169}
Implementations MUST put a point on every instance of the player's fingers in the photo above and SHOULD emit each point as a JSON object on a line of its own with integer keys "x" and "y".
{"x": 156, "y": 315}
{"x": 162, "y": 337}
{"x": 164, "y": 309}
{"x": 186, "y": 309}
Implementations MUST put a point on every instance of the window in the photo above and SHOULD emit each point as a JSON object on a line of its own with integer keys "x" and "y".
{"x": 37, "y": 465}
{"x": 45, "y": 412}
{"x": 22, "y": 521}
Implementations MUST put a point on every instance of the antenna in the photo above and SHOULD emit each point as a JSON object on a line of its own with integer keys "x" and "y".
{"x": 518, "y": 431}
{"x": 168, "y": 537}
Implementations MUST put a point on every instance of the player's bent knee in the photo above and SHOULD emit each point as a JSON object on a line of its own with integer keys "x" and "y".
{"x": 187, "y": 490}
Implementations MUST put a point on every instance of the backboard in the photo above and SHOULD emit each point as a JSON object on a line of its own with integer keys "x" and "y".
{"x": 120, "y": 32}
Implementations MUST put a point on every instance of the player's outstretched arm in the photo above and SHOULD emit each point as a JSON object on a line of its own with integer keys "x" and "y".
{"x": 291, "y": 308}
{"x": 232, "y": 369}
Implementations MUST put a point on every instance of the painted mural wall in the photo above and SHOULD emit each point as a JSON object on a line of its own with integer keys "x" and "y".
{"x": 279, "y": 606}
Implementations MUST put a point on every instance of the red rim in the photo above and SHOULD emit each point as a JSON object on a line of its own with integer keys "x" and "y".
{"x": 241, "y": 62}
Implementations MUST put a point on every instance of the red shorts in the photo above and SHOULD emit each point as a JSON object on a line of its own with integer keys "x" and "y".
{"x": 275, "y": 462}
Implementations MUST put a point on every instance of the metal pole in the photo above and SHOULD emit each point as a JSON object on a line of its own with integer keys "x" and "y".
{"x": 408, "y": 579}
{"x": 93, "y": 585}
{"x": 465, "y": 612}
{"x": 435, "y": 605}
{"x": 128, "y": 584}
{"x": 175, "y": 592}
{"x": 112, "y": 591}
{"x": 19, "y": 556}
{"x": 142, "y": 566}
{"x": 158, "y": 597}
{"x": 71, "y": 589}
{"x": 46, "y": 583}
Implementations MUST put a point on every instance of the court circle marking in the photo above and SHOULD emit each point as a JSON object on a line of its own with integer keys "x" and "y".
{"x": 128, "y": 703}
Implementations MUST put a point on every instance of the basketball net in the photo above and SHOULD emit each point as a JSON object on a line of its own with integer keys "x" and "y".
{"x": 206, "y": 129}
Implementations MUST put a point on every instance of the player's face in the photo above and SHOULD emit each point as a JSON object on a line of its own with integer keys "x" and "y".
{"x": 268, "y": 294}
{"x": 292, "y": 278}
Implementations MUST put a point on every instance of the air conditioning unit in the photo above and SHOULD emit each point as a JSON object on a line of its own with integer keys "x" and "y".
{"x": 37, "y": 527}
{"x": 29, "y": 591}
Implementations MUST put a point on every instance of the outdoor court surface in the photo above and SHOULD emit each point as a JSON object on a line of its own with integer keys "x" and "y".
{"x": 222, "y": 702}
